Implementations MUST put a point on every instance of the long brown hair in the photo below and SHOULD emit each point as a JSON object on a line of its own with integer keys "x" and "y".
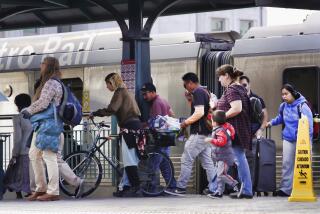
{"x": 233, "y": 72}
{"x": 51, "y": 69}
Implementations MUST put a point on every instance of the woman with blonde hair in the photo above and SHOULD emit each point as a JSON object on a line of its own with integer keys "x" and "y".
{"x": 126, "y": 110}
{"x": 48, "y": 128}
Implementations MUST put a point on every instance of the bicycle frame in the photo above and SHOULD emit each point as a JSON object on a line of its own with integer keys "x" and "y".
{"x": 96, "y": 147}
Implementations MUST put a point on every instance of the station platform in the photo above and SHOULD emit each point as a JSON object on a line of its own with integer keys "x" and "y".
{"x": 190, "y": 204}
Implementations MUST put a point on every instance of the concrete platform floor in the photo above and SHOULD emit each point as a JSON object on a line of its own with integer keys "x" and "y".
{"x": 190, "y": 204}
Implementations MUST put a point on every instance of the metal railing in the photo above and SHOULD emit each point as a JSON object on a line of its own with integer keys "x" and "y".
{"x": 80, "y": 138}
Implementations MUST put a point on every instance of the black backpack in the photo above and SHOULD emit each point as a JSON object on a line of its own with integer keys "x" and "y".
{"x": 256, "y": 114}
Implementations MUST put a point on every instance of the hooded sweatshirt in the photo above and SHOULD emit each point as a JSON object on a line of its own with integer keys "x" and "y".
{"x": 222, "y": 137}
{"x": 290, "y": 118}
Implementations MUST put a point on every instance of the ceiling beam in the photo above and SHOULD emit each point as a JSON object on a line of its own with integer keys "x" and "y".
{"x": 60, "y": 3}
{"x": 105, "y": 4}
{"x": 35, "y": 3}
{"x": 17, "y": 10}
{"x": 86, "y": 13}
{"x": 44, "y": 20}
{"x": 156, "y": 13}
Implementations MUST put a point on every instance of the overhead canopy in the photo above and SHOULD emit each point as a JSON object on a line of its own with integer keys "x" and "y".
{"x": 16, "y": 14}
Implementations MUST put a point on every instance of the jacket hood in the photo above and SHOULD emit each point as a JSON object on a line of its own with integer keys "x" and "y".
{"x": 298, "y": 101}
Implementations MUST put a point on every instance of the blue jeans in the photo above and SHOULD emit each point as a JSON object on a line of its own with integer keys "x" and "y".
{"x": 158, "y": 162}
{"x": 289, "y": 153}
{"x": 243, "y": 169}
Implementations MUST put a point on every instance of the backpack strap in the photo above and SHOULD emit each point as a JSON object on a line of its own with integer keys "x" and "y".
{"x": 299, "y": 108}
{"x": 64, "y": 91}
{"x": 282, "y": 109}
{"x": 64, "y": 98}
{"x": 224, "y": 130}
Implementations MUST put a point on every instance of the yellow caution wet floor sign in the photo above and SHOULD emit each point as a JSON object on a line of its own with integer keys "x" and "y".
{"x": 302, "y": 189}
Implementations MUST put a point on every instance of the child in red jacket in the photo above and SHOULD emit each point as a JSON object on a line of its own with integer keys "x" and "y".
{"x": 222, "y": 135}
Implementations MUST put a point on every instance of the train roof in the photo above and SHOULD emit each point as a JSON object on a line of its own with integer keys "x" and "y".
{"x": 98, "y": 47}
{"x": 283, "y": 39}
{"x": 87, "y": 48}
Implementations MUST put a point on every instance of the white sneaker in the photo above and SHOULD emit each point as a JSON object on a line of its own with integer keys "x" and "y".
{"x": 240, "y": 190}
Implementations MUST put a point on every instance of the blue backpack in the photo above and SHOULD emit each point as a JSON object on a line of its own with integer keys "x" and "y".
{"x": 70, "y": 109}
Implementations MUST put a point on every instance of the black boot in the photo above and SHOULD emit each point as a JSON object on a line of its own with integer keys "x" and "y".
{"x": 19, "y": 195}
{"x": 133, "y": 176}
{"x": 120, "y": 193}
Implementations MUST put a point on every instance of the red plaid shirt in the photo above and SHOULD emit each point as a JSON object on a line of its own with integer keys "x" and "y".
{"x": 241, "y": 122}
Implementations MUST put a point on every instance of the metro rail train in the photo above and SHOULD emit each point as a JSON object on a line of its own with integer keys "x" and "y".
{"x": 269, "y": 56}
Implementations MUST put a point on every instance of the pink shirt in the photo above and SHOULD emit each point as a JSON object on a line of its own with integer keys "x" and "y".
{"x": 159, "y": 106}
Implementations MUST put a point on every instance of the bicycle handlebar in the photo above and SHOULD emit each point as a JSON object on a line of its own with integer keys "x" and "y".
{"x": 99, "y": 125}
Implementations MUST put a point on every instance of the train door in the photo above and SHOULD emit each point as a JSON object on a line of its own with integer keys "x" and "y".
{"x": 307, "y": 82}
{"x": 73, "y": 77}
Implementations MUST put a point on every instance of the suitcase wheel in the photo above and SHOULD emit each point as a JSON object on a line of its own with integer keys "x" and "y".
{"x": 266, "y": 194}
{"x": 258, "y": 194}
{"x": 274, "y": 194}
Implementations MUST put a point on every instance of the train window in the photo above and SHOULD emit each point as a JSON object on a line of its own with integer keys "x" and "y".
{"x": 76, "y": 86}
{"x": 306, "y": 80}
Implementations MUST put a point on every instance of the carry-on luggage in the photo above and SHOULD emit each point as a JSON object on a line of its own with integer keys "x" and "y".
{"x": 265, "y": 165}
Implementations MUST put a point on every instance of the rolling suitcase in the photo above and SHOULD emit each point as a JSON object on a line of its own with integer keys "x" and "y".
{"x": 265, "y": 165}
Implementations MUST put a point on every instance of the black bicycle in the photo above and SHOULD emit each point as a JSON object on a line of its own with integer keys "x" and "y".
{"x": 87, "y": 166}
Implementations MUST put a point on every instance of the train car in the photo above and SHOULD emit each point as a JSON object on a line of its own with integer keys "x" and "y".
{"x": 270, "y": 56}
{"x": 87, "y": 57}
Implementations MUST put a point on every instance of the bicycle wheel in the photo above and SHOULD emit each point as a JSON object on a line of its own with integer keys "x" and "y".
{"x": 156, "y": 173}
{"x": 85, "y": 166}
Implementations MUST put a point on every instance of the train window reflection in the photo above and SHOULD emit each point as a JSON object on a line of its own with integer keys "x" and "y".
{"x": 76, "y": 86}
{"x": 306, "y": 80}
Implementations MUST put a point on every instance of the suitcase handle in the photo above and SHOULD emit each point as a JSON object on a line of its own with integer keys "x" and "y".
{"x": 268, "y": 133}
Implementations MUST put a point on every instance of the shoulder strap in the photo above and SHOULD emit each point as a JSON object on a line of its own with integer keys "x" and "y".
{"x": 64, "y": 91}
{"x": 282, "y": 109}
{"x": 224, "y": 130}
{"x": 299, "y": 108}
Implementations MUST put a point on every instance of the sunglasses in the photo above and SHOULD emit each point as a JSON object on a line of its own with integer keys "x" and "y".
{"x": 244, "y": 85}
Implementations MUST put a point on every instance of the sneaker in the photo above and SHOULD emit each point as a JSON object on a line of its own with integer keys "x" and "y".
{"x": 215, "y": 195}
{"x": 237, "y": 190}
{"x": 80, "y": 189}
{"x": 241, "y": 196}
{"x": 177, "y": 191}
{"x": 206, "y": 191}
{"x": 280, "y": 193}
{"x": 133, "y": 192}
{"x": 239, "y": 186}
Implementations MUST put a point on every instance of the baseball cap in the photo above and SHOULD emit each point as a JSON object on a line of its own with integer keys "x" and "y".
{"x": 148, "y": 87}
